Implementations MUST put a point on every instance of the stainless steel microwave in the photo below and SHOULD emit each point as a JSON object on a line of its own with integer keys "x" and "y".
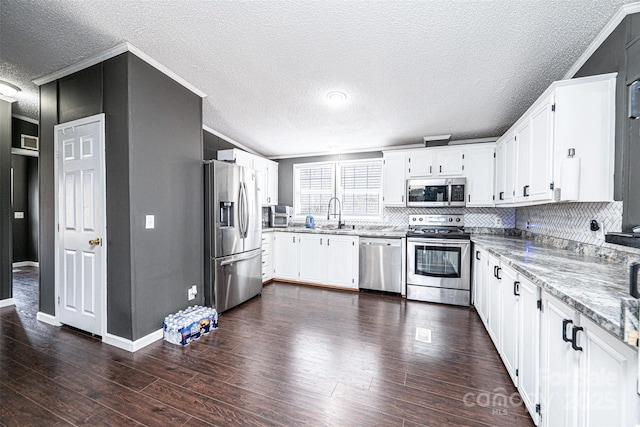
{"x": 435, "y": 192}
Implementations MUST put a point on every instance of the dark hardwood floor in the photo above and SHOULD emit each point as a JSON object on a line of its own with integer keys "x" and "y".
{"x": 296, "y": 355}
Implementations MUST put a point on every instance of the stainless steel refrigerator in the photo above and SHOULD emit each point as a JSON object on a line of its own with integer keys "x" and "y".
{"x": 233, "y": 255}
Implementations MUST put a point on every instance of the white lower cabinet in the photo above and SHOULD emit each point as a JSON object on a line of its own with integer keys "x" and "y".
{"x": 285, "y": 256}
{"x": 316, "y": 258}
{"x": 510, "y": 309}
{"x": 343, "y": 258}
{"x": 588, "y": 377}
{"x": 529, "y": 344}
{"x": 312, "y": 253}
{"x": 267, "y": 260}
{"x": 568, "y": 370}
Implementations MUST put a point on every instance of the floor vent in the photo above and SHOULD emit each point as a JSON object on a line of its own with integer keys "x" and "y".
{"x": 423, "y": 335}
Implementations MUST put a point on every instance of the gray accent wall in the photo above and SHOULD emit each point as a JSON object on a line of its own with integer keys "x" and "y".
{"x": 212, "y": 143}
{"x": 153, "y": 152}
{"x": 165, "y": 180}
{"x": 6, "y": 286}
{"x": 285, "y": 170}
{"x": 620, "y": 53}
{"x": 25, "y": 200}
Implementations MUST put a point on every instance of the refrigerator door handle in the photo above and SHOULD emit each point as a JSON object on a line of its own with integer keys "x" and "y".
{"x": 241, "y": 210}
{"x": 241, "y": 257}
{"x": 246, "y": 210}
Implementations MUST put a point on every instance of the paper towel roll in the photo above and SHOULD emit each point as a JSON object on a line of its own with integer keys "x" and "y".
{"x": 570, "y": 179}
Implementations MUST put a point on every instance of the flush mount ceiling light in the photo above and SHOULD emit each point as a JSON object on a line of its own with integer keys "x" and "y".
{"x": 7, "y": 89}
{"x": 336, "y": 98}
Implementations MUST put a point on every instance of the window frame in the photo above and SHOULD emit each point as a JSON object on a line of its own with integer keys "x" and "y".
{"x": 337, "y": 191}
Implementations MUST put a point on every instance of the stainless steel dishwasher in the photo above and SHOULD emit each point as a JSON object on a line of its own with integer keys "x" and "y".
{"x": 381, "y": 264}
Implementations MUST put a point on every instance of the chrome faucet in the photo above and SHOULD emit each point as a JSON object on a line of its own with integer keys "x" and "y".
{"x": 340, "y": 223}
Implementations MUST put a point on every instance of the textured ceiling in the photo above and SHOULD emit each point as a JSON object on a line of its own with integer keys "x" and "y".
{"x": 409, "y": 68}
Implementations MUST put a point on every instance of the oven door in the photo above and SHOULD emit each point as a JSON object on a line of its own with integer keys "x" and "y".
{"x": 442, "y": 263}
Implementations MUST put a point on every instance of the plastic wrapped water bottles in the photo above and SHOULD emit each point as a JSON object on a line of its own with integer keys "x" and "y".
{"x": 189, "y": 324}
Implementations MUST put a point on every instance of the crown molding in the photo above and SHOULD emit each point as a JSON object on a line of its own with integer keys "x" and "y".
{"x": 26, "y": 119}
{"x": 234, "y": 142}
{"x": 626, "y": 9}
{"x": 110, "y": 53}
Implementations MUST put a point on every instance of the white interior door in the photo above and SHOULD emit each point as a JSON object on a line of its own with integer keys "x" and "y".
{"x": 80, "y": 197}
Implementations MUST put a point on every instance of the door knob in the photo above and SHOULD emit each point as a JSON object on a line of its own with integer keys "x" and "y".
{"x": 96, "y": 242}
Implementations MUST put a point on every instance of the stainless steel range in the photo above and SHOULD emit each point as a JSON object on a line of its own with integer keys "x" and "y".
{"x": 438, "y": 259}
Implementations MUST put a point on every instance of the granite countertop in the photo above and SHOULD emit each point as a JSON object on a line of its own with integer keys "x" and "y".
{"x": 380, "y": 231}
{"x": 595, "y": 287}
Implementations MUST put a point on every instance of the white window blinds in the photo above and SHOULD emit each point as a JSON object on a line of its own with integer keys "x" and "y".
{"x": 314, "y": 186}
{"x": 357, "y": 184}
{"x": 360, "y": 188}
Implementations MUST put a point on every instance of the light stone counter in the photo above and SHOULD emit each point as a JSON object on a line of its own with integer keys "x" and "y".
{"x": 384, "y": 232}
{"x": 595, "y": 287}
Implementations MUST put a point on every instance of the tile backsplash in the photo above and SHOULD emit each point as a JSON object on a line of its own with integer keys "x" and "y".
{"x": 571, "y": 221}
{"x": 473, "y": 217}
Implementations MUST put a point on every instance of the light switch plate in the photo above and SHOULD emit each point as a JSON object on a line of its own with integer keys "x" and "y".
{"x": 18, "y": 215}
{"x": 150, "y": 222}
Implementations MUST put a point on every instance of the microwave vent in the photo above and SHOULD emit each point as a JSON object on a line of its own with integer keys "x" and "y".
{"x": 436, "y": 140}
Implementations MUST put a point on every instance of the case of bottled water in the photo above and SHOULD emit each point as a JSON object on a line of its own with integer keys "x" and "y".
{"x": 189, "y": 324}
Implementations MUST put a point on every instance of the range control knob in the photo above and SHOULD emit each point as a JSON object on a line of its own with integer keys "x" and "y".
{"x": 457, "y": 219}
{"x": 420, "y": 219}
{"x": 413, "y": 219}
{"x": 450, "y": 219}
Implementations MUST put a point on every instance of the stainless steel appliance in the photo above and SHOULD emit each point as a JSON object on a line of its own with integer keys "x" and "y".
{"x": 233, "y": 261}
{"x": 280, "y": 216}
{"x": 381, "y": 264}
{"x": 438, "y": 259}
{"x": 434, "y": 192}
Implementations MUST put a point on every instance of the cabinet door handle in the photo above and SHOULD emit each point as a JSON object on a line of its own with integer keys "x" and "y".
{"x": 440, "y": 168}
{"x": 495, "y": 271}
{"x": 402, "y": 198}
{"x": 498, "y": 273}
{"x": 516, "y": 288}
{"x": 430, "y": 171}
{"x": 633, "y": 279}
{"x": 478, "y": 255}
{"x": 566, "y": 322}
{"x": 321, "y": 241}
{"x": 294, "y": 239}
{"x": 574, "y": 337}
{"x": 501, "y": 195}
{"x": 468, "y": 197}
{"x": 525, "y": 191}
{"x": 328, "y": 240}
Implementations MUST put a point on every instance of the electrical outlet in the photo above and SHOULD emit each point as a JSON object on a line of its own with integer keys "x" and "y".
{"x": 192, "y": 292}
{"x": 498, "y": 221}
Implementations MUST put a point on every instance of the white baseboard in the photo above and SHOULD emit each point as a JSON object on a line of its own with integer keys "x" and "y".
{"x": 26, "y": 264}
{"x": 48, "y": 319}
{"x": 129, "y": 345}
{"x": 7, "y": 302}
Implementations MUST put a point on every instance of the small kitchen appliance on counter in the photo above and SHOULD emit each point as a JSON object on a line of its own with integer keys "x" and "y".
{"x": 438, "y": 259}
{"x": 280, "y": 216}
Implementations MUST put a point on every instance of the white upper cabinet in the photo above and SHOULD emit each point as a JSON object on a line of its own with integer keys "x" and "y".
{"x": 420, "y": 163}
{"x": 576, "y": 115}
{"x": 449, "y": 161}
{"x": 585, "y": 122}
{"x": 435, "y": 161}
{"x": 505, "y": 169}
{"x": 523, "y": 151}
{"x": 394, "y": 186}
{"x": 266, "y": 172}
{"x": 479, "y": 170}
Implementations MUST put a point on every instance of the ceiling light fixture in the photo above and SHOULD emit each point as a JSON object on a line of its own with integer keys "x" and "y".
{"x": 336, "y": 98}
{"x": 7, "y": 89}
